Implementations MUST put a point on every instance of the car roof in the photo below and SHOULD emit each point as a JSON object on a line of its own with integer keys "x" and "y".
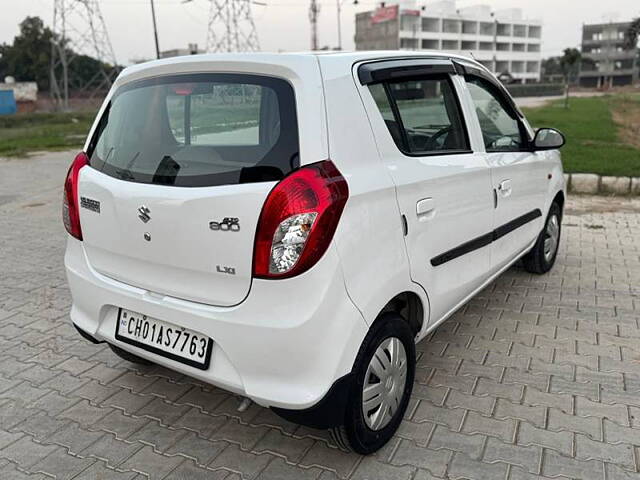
{"x": 293, "y": 60}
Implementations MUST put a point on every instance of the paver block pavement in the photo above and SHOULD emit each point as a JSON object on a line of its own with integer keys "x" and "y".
{"x": 536, "y": 377}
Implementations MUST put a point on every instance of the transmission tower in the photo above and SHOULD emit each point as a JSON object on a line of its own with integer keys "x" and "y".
{"x": 79, "y": 29}
{"x": 231, "y": 27}
{"x": 314, "y": 13}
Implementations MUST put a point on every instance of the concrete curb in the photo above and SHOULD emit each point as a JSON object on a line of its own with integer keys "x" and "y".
{"x": 591, "y": 183}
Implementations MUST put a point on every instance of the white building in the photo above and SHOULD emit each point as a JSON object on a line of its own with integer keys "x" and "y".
{"x": 502, "y": 40}
{"x": 192, "y": 49}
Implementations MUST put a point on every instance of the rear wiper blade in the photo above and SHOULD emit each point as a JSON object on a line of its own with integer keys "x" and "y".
{"x": 125, "y": 173}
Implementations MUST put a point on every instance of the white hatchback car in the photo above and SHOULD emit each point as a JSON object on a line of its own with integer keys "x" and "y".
{"x": 285, "y": 227}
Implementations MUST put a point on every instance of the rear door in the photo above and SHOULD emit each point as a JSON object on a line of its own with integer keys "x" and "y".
{"x": 180, "y": 168}
{"x": 519, "y": 178}
{"x": 443, "y": 188}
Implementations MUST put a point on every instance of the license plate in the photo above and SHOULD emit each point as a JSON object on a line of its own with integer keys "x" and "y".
{"x": 162, "y": 338}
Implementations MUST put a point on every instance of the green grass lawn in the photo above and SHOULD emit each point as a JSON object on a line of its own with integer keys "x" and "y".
{"x": 23, "y": 133}
{"x": 595, "y": 144}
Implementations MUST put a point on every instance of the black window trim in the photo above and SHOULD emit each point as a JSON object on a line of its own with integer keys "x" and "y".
{"x": 404, "y": 149}
{"x": 386, "y": 70}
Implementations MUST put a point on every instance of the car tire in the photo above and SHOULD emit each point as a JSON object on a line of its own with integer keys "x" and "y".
{"x": 543, "y": 255}
{"x": 129, "y": 357}
{"x": 367, "y": 432}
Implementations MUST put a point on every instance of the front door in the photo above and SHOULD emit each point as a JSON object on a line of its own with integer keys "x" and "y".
{"x": 519, "y": 178}
{"x": 443, "y": 188}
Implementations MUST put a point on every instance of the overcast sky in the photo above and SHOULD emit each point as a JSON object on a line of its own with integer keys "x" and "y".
{"x": 283, "y": 25}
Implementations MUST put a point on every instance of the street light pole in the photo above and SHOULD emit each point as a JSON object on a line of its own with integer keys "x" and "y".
{"x": 339, "y": 10}
{"x": 339, "y": 5}
{"x": 495, "y": 43}
{"x": 155, "y": 29}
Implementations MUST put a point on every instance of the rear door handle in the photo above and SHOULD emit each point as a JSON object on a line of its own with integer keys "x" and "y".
{"x": 505, "y": 188}
{"x": 425, "y": 206}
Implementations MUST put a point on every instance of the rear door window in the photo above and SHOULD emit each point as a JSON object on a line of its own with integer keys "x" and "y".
{"x": 199, "y": 130}
{"x": 423, "y": 116}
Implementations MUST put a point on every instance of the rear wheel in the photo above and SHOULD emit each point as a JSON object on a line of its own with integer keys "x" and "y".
{"x": 129, "y": 357}
{"x": 543, "y": 255}
{"x": 383, "y": 380}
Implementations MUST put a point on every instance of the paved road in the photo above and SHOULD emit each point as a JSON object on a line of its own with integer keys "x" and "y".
{"x": 533, "y": 102}
{"x": 537, "y": 376}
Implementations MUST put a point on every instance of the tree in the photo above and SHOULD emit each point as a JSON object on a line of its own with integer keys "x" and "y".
{"x": 633, "y": 34}
{"x": 570, "y": 66}
{"x": 28, "y": 58}
{"x": 551, "y": 66}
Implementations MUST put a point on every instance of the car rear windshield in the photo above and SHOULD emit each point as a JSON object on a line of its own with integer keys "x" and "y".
{"x": 198, "y": 130}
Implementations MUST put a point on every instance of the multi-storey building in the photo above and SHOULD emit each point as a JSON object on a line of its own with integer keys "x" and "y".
{"x": 607, "y": 60}
{"x": 504, "y": 41}
{"x": 192, "y": 49}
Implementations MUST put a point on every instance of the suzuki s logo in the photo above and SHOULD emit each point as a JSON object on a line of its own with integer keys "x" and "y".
{"x": 144, "y": 214}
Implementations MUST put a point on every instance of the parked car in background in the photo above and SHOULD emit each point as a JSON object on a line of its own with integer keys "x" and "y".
{"x": 286, "y": 227}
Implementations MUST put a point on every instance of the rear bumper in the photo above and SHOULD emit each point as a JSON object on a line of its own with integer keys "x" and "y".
{"x": 328, "y": 412}
{"x": 284, "y": 346}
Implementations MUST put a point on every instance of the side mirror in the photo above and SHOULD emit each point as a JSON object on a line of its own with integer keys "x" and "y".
{"x": 548, "y": 139}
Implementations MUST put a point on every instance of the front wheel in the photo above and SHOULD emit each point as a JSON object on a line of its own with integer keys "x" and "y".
{"x": 543, "y": 255}
{"x": 383, "y": 380}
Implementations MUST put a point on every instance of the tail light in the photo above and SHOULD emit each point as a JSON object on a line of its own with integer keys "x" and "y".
{"x": 70, "y": 200}
{"x": 298, "y": 221}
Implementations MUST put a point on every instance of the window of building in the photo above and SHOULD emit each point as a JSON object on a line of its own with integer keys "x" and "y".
{"x": 624, "y": 64}
{"x": 488, "y": 64}
{"x": 469, "y": 27}
{"x": 502, "y": 66}
{"x": 431, "y": 44}
{"x": 410, "y": 23}
{"x": 533, "y": 47}
{"x": 535, "y": 31}
{"x": 487, "y": 28}
{"x": 451, "y": 26}
{"x": 409, "y": 43}
{"x": 517, "y": 67}
{"x": 469, "y": 46}
{"x": 519, "y": 30}
{"x": 518, "y": 47}
{"x": 431, "y": 24}
{"x": 450, "y": 45}
{"x": 504, "y": 29}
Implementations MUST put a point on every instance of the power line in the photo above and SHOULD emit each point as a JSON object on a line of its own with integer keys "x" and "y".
{"x": 79, "y": 29}
{"x": 231, "y": 27}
